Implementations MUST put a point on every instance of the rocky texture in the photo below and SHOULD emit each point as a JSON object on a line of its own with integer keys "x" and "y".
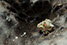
{"x": 60, "y": 39}
{"x": 17, "y": 17}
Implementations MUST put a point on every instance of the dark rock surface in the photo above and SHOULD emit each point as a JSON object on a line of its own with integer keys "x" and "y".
{"x": 19, "y": 16}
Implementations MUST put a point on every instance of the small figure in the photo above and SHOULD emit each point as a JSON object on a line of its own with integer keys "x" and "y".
{"x": 45, "y": 26}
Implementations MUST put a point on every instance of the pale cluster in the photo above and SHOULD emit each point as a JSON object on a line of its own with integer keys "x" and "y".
{"x": 46, "y": 24}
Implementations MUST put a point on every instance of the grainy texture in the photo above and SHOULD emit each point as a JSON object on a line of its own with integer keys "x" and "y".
{"x": 19, "y": 16}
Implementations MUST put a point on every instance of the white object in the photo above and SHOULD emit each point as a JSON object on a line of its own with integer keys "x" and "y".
{"x": 16, "y": 37}
{"x": 46, "y": 24}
